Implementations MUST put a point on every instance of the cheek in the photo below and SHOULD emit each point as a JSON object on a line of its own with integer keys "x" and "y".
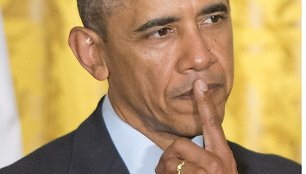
{"x": 224, "y": 50}
{"x": 127, "y": 72}
{"x": 229, "y": 64}
{"x": 148, "y": 73}
{"x": 159, "y": 71}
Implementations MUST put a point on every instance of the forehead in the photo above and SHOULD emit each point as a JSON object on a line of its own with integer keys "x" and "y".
{"x": 140, "y": 10}
{"x": 159, "y": 5}
{"x": 109, "y": 5}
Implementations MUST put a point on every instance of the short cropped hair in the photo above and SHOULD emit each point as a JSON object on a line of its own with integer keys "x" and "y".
{"x": 94, "y": 14}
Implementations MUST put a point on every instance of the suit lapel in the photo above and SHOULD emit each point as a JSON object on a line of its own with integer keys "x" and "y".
{"x": 94, "y": 152}
{"x": 240, "y": 158}
{"x": 93, "y": 149}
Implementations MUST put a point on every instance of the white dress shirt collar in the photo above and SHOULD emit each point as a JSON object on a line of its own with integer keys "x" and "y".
{"x": 138, "y": 152}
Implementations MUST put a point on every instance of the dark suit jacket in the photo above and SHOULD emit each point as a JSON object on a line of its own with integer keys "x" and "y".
{"x": 90, "y": 150}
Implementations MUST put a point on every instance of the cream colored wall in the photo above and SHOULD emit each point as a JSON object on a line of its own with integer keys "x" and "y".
{"x": 55, "y": 94}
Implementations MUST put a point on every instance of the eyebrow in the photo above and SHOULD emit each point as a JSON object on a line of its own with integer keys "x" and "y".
{"x": 156, "y": 22}
{"x": 219, "y": 7}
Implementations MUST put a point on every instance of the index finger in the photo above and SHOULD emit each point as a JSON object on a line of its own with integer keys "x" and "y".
{"x": 214, "y": 138}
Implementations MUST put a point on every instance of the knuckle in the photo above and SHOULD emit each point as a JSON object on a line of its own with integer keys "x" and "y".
{"x": 179, "y": 143}
{"x": 215, "y": 166}
{"x": 163, "y": 158}
{"x": 168, "y": 164}
{"x": 165, "y": 166}
{"x": 214, "y": 121}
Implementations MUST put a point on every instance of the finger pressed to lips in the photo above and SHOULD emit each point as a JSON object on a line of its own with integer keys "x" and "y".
{"x": 211, "y": 124}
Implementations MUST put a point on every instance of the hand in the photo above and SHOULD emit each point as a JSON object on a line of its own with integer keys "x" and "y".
{"x": 216, "y": 158}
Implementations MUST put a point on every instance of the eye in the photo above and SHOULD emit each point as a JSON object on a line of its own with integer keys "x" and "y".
{"x": 213, "y": 19}
{"x": 163, "y": 32}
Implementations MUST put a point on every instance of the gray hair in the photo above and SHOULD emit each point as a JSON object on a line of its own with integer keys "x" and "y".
{"x": 94, "y": 14}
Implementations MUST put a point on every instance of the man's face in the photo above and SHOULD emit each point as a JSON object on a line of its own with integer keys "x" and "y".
{"x": 157, "y": 49}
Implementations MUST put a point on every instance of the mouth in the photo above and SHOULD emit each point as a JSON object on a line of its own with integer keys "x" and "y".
{"x": 188, "y": 95}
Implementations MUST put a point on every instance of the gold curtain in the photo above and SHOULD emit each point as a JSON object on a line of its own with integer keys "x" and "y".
{"x": 55, "y": 94}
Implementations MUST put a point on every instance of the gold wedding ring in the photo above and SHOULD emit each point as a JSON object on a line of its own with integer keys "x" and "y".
{"x": 179, "y": 167}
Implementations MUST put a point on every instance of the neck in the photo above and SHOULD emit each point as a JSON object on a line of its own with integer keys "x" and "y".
{"x": 161, "y": 138}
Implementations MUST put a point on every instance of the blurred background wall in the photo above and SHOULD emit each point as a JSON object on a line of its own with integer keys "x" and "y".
{"x": 55, "y": 94}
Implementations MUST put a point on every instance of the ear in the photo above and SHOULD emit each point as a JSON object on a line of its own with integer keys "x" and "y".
{"x": 88, "y": 48}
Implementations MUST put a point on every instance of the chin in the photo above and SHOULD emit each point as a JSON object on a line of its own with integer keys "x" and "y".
{"x": 188, "y": 128}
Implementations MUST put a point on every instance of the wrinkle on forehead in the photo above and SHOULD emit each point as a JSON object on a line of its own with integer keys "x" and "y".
{"x": 112, "y": 4}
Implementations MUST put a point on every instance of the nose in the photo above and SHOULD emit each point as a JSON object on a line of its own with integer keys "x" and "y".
{"x": 196, "y": 53}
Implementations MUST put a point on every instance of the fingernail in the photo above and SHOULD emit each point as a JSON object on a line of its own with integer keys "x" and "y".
{"x": 202, "y": 85}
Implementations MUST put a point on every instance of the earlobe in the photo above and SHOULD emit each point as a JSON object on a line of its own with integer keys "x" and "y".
{"x": 87, "y": 47}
